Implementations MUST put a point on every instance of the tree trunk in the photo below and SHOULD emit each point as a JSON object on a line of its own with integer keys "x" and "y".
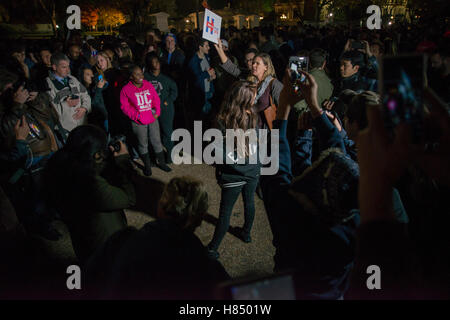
{"x": 318, "y": 6}
{"x": 51, "y": 14}
{"x": 55, "y": 29}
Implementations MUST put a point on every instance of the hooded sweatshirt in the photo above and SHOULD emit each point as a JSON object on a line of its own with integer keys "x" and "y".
{"x": 142, "y": 105}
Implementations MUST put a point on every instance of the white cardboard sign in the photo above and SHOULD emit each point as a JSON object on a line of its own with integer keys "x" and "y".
{"x": 211, "y": 26}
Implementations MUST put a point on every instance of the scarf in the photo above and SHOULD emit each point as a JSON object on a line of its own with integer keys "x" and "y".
{"x": 262, "y": 88}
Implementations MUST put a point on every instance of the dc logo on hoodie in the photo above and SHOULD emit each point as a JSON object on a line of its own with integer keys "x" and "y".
{"x": 143, "y": 100}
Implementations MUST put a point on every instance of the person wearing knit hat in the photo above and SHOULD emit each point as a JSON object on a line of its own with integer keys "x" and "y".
{"x": 225, "y": 44}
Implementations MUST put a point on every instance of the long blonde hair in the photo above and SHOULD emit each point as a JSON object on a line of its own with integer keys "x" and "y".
{"x": 108, "y": 62}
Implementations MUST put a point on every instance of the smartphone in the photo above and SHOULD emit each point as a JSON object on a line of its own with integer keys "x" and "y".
{"x": 100, "y": 78}
{"x": 402, "y": 82}
{"x": 357, "y": 44}
{"x": 295, "y": 65}
{"x": 94, "y": 53}
{"x": 274, "y": 287}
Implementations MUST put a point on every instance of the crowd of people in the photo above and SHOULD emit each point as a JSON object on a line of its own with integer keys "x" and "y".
{"x": 77, "y": 114}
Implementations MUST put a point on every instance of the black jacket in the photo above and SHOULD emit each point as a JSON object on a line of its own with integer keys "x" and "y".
{"x": 233, "y": 173}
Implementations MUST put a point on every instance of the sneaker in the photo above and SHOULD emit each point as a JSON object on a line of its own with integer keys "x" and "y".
{"x": 161, "y": 162}
{"x": 168, "y": 157}
{"x": 212, "y": 254}
{"x": 244, "y": 236}
{"x": 259, "y": 192}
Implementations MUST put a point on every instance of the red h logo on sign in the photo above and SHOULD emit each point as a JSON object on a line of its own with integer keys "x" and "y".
{"x": 209, "y": 25}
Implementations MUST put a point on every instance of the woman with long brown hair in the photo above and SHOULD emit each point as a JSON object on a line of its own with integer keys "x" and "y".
{"x": 238, "y": 173}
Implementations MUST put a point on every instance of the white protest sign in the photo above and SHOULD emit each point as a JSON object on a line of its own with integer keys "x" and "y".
{"x": 211, "y": 26}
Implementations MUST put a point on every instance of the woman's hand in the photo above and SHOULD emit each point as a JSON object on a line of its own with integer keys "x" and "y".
{"x": 33, "y": 58}
{"x": 21, "y": 95}
{"x": 366, "y": 49}
{"x": 309, "y": 91}
{"x": 333, "y": 119}
{"x": 21, "y": 129}
{"x": 288, "y": 98}
{"x": 219, "y": 47}
{"x": 348, "y": 45}
{"x": 101, "y": 84}
{"x": 212, "y": 74}
{"x": 328, "y": 105}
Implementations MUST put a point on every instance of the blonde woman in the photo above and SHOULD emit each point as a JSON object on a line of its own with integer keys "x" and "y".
{"x": 104, "y": 71}
{"x": 103, "y": 63}
{"x": 269, "y": 88}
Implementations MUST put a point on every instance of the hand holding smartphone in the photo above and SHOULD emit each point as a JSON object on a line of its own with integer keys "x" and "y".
{"x": 357, "y": 44}
{"x": 297, "y": 64}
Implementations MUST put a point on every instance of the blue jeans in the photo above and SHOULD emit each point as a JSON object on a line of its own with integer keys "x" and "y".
{"x": 206, "y": 109}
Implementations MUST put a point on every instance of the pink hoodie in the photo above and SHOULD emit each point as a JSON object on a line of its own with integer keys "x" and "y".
{"x": 138, "y": 103}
